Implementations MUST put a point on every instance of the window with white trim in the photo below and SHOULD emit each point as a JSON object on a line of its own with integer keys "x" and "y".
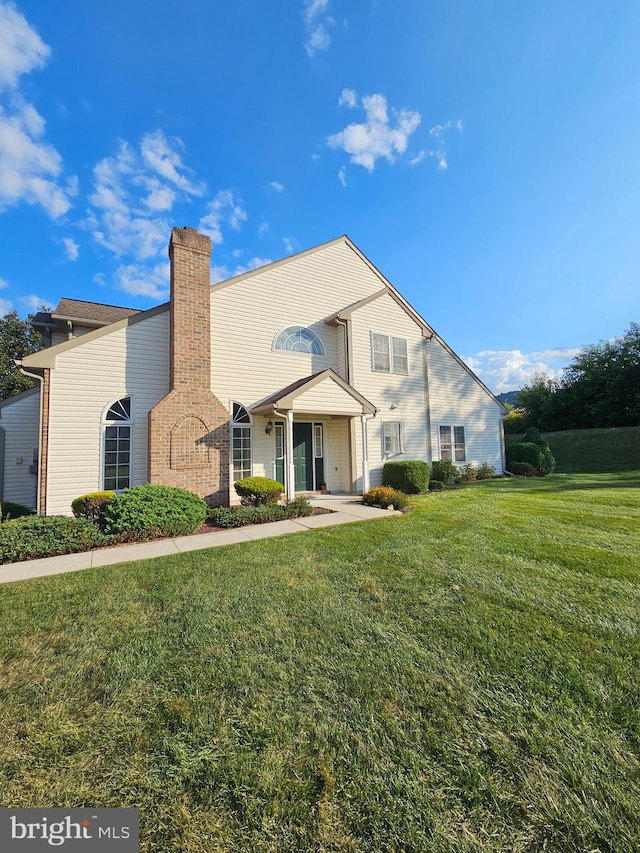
{"x": 389, "y": 354}
{"x": 116, "y": 468}
{"x": 298, "y": 339}
{"x": 240, "y": 441}
{"x": 392, "y": 438}
{"x": 452, "y": 443}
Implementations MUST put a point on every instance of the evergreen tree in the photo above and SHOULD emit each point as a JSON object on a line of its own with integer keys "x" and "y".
{"x": 17, "y": 339}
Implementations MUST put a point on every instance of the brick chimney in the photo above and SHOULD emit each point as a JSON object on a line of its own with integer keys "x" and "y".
{"x": 189, "y": 428}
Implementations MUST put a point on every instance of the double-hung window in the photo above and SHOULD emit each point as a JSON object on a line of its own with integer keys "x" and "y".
{"x": 389, "y": 354}
{"x": 392, "y": 438}
{"x": 452, "y": 443}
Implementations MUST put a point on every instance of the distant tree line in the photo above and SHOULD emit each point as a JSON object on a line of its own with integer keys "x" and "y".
{"x": 600, "y": 388}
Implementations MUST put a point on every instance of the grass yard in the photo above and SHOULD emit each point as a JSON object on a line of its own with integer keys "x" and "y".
{"x": 464, "y": 678}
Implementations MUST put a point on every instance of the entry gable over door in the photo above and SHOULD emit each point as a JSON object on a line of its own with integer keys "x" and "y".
{"x": 324, "y": 392}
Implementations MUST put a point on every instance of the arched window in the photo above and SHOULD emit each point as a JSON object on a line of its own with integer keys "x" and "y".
{"x": 240, "y": 441}
{"x": 298, "y": 339}
{"x": 116, "y": 470}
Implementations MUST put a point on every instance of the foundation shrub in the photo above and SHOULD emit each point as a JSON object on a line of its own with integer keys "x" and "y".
{"x": 385, "y": 496}
{"x": 436, "y": 486}
{"x": 534, "y": 454}
{"x": 485, "y": 472}
{"x": 92, "y": 506}
{"x": 445, "y": 472}
{"x": 9, "y": 509}
{"x": 150, "y": 511}
{"x": 523, "y": 469}
{"x": 410, "y": 476}
{"x": 224, "y": 516}
{"x": 36, "y": 536}
{"x": 256, "y": 491}
{"x": 468, "y": 474}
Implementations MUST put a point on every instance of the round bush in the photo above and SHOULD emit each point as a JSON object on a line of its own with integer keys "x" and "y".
{"x": 150, "y": 511}
{"x": 92, "y": 506}
{"x": 522, "y": 469}
{"x": 9, "y": 509}
{"x": 384, "y": 497}
{"x": 436, "y": 486}
{"x": 410, "y": 476}
{"x": 255, "y": 491}
{"x": 445, "y": 472}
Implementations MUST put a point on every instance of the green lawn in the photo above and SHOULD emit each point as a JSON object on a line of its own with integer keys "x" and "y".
{"x": 463, "y": 678}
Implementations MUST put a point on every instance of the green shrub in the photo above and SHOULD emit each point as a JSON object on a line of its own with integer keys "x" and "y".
{"x": 410, "y": 476}
{"x": 436, "y": 486}
{"x": 534, "y": 436}
{"x": 92, "y": 506}
{"x": 224, "y": 516}
{"x": 151, "y": 510}
{"x": 445, "y": 472}
{"x": 467, "y": 474}
{"x": 9, "y": 509}
{"x": 254, "y": 491}
{"x": 534, "y": 454}
{"x": 485, "y": 472}
{"x": 28, "y": 538}
{"x": 523, "y": 469}
{"x": 384, "y": 496}
{"x": 515, "y": 422}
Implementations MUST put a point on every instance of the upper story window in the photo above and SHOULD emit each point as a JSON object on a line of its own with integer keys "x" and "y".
{"x": 298, "y": 339}
{"x": 389, "y": 354}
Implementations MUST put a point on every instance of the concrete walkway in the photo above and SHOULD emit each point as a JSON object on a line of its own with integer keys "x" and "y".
{"x": 345, "y": 509}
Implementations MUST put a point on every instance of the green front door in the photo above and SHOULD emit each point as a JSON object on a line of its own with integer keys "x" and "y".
{"x": 303, "y": 457}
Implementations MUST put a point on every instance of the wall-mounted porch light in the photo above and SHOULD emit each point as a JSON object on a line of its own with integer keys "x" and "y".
{"x": 269, "y": 427}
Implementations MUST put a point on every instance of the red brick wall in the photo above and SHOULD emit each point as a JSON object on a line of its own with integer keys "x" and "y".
{"x": 189, "y": 428}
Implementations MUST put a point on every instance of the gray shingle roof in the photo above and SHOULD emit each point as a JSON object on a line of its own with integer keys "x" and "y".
{"x": 94, "y": 313}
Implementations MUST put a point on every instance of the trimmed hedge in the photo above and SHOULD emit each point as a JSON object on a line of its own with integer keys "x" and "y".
{"x": 533, "y": 454}
{"x": 92, "y": 506}
{"x": 224, "y": 516}
{"x": 256, "y": 491}
{"x": 46, "y": 536}
{"x": 385, "y": 496}
{"x": 150, "y": 511}
{"x": 9, "y": 509}
{"x": 410, "y": 476}
{"x": 523, "y": 469}
{"x": 445, "y": 472}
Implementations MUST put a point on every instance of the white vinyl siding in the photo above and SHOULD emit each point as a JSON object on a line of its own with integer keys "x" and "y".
{"x": 458, "y": 400}
{"x": 20, "y": 421}
{"x": 133, "y": 361}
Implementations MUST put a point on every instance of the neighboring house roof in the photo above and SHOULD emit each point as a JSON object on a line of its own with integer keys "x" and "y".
{"x": 10, "y": 400}
{"x": 91, "y": 313}
{"x": 283, "y": 399}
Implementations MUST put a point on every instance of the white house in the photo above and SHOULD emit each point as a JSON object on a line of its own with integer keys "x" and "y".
{"x": 312, "y": 370}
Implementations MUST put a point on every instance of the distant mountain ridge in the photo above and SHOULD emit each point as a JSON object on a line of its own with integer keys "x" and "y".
{"x": 508, "y": 397}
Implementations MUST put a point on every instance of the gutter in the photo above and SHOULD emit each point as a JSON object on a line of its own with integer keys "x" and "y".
{"x": 39, "y": 377}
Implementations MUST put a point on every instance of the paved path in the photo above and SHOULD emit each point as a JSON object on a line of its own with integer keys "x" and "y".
{"x": 345, "y": 509}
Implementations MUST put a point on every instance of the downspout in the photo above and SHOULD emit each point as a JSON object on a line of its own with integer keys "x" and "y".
{"x": 347, "y": 348}
{"x": 42, "y": 445}
{"x": 427, "y": 399}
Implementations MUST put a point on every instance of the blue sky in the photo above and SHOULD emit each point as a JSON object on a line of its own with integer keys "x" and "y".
{"x": 484, "y": 155}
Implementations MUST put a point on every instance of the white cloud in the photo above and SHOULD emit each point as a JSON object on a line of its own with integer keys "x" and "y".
{"x": 6, "y": 305}
{"x": 3, "y": 283}
{"x": 71, "y": 248}
{"x": 32, "y": 301}
{"x": 315, "y": 156}
{"x": 99, "y": 279}
{"x": 263, "y": 228}
{"x": 418, "y": 158}
{"x": 437, "y": 132}
{"x": 158, "y": 153}
{"x": 30, "y": 169}
{"x": 348, "y": 98}
{"x": 221, "y": 273}
{"x": 21, "y": 48}
{"x": 139, "y": 280}
{"x": 223, "y": 209}
{"x": 289, "y": 245}
{"x": 342, "y": 175}
{"x": 376, "y": 137}
{"x": 276, "y": 186}
{"x": 507, "y": 370}
{"x": 317, "y": 24}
